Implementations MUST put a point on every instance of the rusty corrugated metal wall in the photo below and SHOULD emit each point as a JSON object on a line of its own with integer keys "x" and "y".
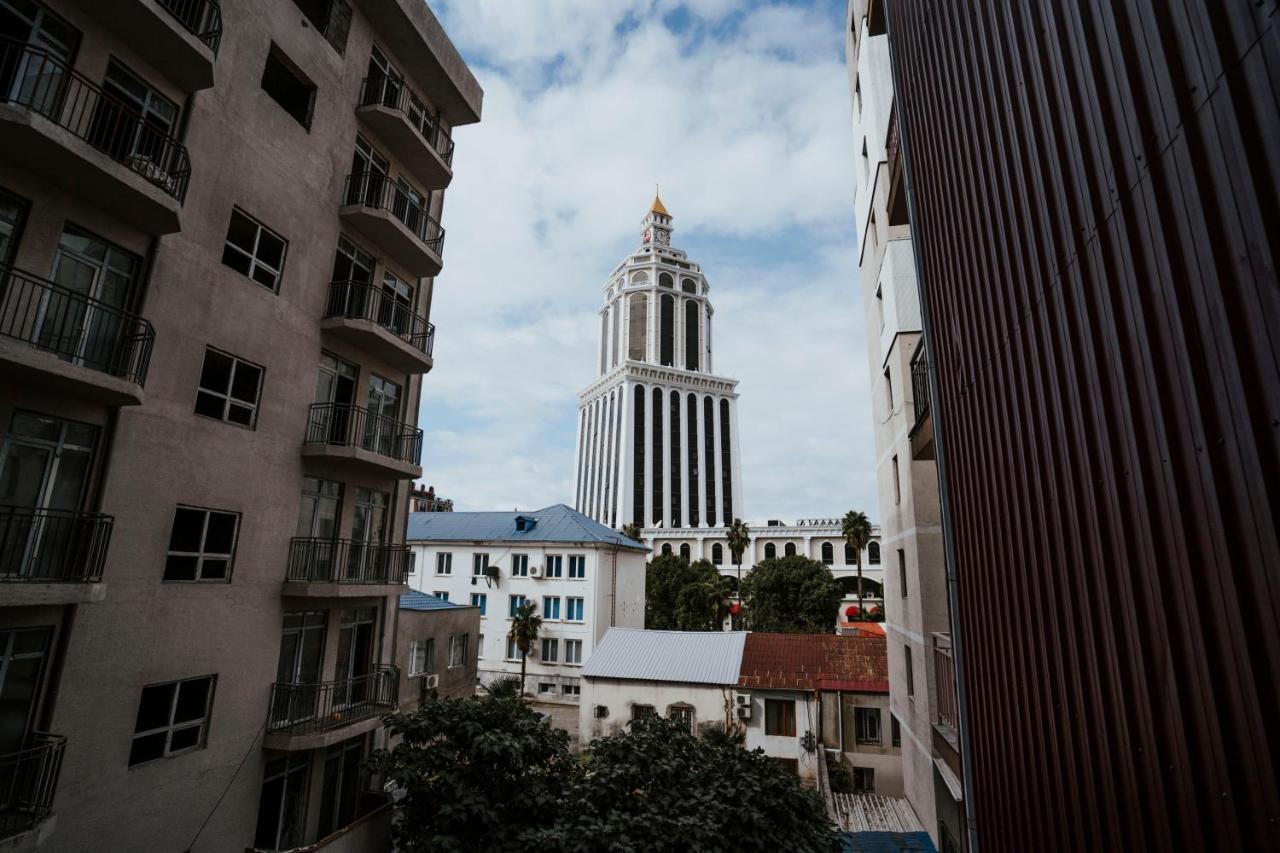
{"x": 1096, "y": 202}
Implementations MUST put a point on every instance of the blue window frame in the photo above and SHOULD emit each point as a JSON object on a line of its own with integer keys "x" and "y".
{"x": 551, "y": 608}
{"x": 555, "y": 568}
{"x": 574, "y": 609}
{"x": 481, "y": 600}
{"x": 513, "y": 604}
{"x": 577, "y": 566}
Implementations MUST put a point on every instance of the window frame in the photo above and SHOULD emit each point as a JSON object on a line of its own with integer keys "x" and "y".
{"x": 480, "y": 600}
{"x": 551, "y": 608}
{"x": 458, "y": 644}
{"x": 519, "y": 565}
{"x": 427, "y": 645}
{"x": 444, "y": 563}
{"x": 515, "y": 601}
{"x": 553, "y": 644}
{"x": 172, "y": 726}
{"x": 254, "y": 262}
{"x": 556, "y": 560}
{"x": 225, "y": 396}
{"x": 479, "y": 562}
{"x": 862, "y": 717}
{"x": 780, "y": 717}
{"x": 277, "y": 53}
{"x": 580, "y": 560}
{"x": 202, "y": 554}
{"x": 574, "y": 643}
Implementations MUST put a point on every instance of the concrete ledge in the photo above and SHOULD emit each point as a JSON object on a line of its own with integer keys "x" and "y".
{"x": 35, "y": 594}
{"x": 357, "y": 458}
{"x": 405, "y": 141}
{"x": 325, "y": 589}
{"x": 158, "y": 38}
{"x": 379, "y": 341}
{"x": 44, "y": 369}
{"x": 318, "y": 740}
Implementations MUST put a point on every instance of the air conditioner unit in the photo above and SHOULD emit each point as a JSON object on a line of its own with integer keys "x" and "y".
{"x": 741, "y": 699}
{"x": 433, "y": 681}
{"x": 744, "y": 712}
{"x": 535, "y": 571}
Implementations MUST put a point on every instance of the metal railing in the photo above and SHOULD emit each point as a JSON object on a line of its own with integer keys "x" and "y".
{"x": 351, "y": 426}
{"x": 28, "y": 781}
{"x": 919, "y": 385}
{"x": 201, "y": 18}
{"x": 396, "y": 94}
{"x": 30, "y": 77}
{"x": 299, "y": 708}
{"x": 44, "y": 545}
{"x": 944, "y": 675}
{"x": 374, "y": 189}
{"x": 358, "y": 300}
{"x": 73, "y": 326}
{"x": 317, "y": 560}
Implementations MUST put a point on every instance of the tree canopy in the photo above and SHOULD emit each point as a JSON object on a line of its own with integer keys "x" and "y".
{"x": 792, "y": 595}
{"x": 488, "y": 774}
{"x": 684, "y": 596}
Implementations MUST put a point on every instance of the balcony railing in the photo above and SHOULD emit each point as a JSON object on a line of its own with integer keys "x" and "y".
{"x": 395, "y": 94}
{"x": 73, "y": 326}
{"x": 944, "y": 674}
{"x": 376, "y": 190}
{"x": 49, "y": 545}
{"x": 358, "y": 300}
{"x": 299, "y": 709}
{"x": 345, "y": 425}
{"x": 316, "y": 560}
{"x": 920, "y": 385}
{"x": 33, "y": 79}
{"x": 201, "y": 18}
{"x": 28, "y": 781}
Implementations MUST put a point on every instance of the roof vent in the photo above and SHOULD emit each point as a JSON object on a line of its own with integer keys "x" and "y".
{"x": 525, "y": 522}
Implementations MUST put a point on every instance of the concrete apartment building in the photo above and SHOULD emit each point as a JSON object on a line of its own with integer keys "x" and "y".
{"x": 583, "y": 577}
{"x": 436, "y": 644}
{"x": 916, "y": 615}
{"x": 219, "y": 231}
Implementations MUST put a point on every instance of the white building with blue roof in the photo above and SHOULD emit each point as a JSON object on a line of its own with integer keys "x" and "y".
{"x": 584, "y": 578}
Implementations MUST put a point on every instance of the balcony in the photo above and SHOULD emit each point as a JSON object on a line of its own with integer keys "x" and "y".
{"x": 179, "y": 38}
{"x": 946, "y": 717}
{"x": 50, "y": 556}
{"x": 374, "y": 320}
{"x": 921, "y": 434}
{"x": 345, "y": 568}
{"x": 310, "y": 716}
{"x": 386, "y": 213}
{"x": 898, "y": 214}
{"x": 56, "y": 338}
{"x": 353, "y": 437}
{"x": 28, "y": 782}
{"x": 408, "y": 128}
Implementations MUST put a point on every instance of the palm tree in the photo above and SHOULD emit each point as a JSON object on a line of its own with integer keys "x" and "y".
{"x": 525, "y": 626}
{"x": 857, "y": 534}
{"x": 631, "y": 532}
{"x": 739, "y": 538}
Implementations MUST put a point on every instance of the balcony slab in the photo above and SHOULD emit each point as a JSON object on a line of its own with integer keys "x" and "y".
{"x": 158, "y": 38}
{"x": 287, "y": 742}
{"x": 393, "y": 237}
{"x": 408, "y": 144}
{"x": 47, "y": 371}
{"x": 358, "y": 459}
{"x": 32, "y": 838}
{"x": 37, "y": 594}
{"x": 379, "y": 341}
{"x": 325, "y": 589}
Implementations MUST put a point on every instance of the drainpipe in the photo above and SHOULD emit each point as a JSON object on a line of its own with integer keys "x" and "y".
{"x": 944, "y": 496}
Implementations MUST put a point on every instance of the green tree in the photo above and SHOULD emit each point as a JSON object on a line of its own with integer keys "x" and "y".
{"x": 631, "y": 532}
{"x": 525, "y": 626}
{"x": 507, "y": 687}
{"x": 683, "y": 596}
{"x": 856, "y": 529}
{"x": 738, "y": 535}
{"x": 476, "y": 774}
{"x": 793, "y": 595}
{"x": 658, "y": 789}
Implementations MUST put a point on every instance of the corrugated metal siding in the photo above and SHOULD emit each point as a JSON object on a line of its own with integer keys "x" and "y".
{"x": 686, "y": 657}
{"x": 1097, "y": 201}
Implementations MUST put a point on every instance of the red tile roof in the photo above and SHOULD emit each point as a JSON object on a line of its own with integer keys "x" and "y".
{"x": 814, "y": 662}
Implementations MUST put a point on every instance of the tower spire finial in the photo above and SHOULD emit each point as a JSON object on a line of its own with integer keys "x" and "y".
{"x": 658, "y": 206}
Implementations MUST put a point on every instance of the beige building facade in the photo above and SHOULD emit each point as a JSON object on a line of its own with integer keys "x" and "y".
{"x": 219, "y": 230}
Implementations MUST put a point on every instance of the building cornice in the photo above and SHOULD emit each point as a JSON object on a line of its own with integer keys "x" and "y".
{"x": 671, "y": 377}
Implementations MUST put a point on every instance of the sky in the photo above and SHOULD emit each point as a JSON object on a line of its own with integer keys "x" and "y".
{"x": 740, "y": 111}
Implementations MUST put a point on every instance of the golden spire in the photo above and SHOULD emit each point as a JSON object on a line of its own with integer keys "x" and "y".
{"x": 658, "y": 206}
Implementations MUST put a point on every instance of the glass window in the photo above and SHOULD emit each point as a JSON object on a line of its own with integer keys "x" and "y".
{"x": 867, "y": 724}
{"x": 780, "y": 717}
{"x": 577, "y": 566}
{"x": 479, "y": 562}
{"x": 555, "y": 566}
{"x": 573, "y": 651}
{"x": 444, "y": 563}
{"x": 202, "y": 544}
{"x": 253, "y": 250}
{"x": 550, "y": 650}
{"x": 514, "y": 603}
{"x": 519, "y": 565}
{"x": 282, "y": 807}
{"x": 422, "y": 657}
{"x": 642, "y": 712}
{"x": 513, "y": 651}
{"x": 717, "y": 554}
{"x": 480, "y": 600}
{"x": 458, "y": 650}
{"x": 172, "y": 719}
{"x": 828, "y": 553}
{"x": 683, "y": 715}
{"x": 229, "y": 389}
{"x": 550, "y": 607}
{"x": 574, "y": 609}
{"x": 288, "y": 87}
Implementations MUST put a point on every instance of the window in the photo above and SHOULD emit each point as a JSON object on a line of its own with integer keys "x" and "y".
{"x": 574, "y": 609}
{"x": 479, "y": 562}
{"x": 202, "y": 544}
{"x": 519, "y": 565}
{"x": 444, "y": 563}
{"x": 849, "y": 557}
{"x": 888, "y": 389}
{"x": 642, "y": 712}
{"x": 480, "y": 600}
{"x": 288, "y": 87}
{"x": 895, "y": 730}
{"x": 514, "y": 603}
{"x": 897, "y": 488}
{"x": 770, "y": 551}
{"x": 229, "y": 389}
{"x": 172, "y": 719}
{"x": 911, "y": 681}
{"x": 513, "y": 652}
{"x": 666, "y": 550}
{"x": 480, "y": 646}
{"x": 864, "y": 780}
{"x": 546, "y": 687}
{"x": 550, "y": 607}
{"x": 458, "y": 650}
{"x": 789, "y": 549}
{"x": 685, "y": 553}
{"x": 555, "y": 566}
{"x": 254, "y": 251}
{"x": 828, "y": 553}
{"x": 282, "y": 806}
{"x": 790, "y": 765}
{"x": 573, "y": 651}
{"x": 867, "y": 724}
{"x": 550, "y": 650}
{"x": 902, "y": 571}
{"x": 413, "y": 562}
{"x": 571, "y": 689}
{"x": 442, "y": 594}
{"x": 873, "y": 554}
{"x": 577, "y": 567}
{"x": 344, "y": 778}
{"x": 331, "y": 18}
{"x": 422, "y": 657}
{"x": 131, "y": 99}
{"x": 717, "y": 554}
{"x": 780, "y": 717}
{"x": 682, "y": 715}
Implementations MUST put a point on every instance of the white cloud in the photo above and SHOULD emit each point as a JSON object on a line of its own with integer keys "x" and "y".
{"x": 745, "y": 121}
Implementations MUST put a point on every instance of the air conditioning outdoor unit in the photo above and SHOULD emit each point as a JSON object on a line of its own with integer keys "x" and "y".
{"x": 535, "y": 571}
{"x": 744, "y": 712}
{"x": 433, "y": 681}
{"x": 742, "y": 704}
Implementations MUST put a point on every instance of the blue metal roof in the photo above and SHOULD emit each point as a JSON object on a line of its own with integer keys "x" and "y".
{"x": 886, "y": 842}
{"x": 414, "y": 600}
{"x": 556, "y": 523}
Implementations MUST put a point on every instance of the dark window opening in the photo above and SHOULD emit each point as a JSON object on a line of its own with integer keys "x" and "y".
{"x": 202, "y": 545}
{"x": 637, "y": 463}
{"x": 657, "y": 456}
{"x": 691, "y": 416}
{"x": 288, "y": 87}
{"x": 691, "y": 348}
{"x": 666, "y": 328}
{"x": 726, "y": 470}
{"x": 676, "y": 520}
{"x": 709, "y": 445}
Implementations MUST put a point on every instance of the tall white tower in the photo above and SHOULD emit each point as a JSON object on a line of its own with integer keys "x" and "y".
{"x": 657, "y": 431}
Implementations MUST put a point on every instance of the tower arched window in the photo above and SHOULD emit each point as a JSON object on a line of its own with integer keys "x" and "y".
{"x": 717, "y": 554}
{"x": 770, "y": 551}
{"x": 692, "y": 352}
{"x": 604, "y": 340}
{"x": 637, "y": 459}
{"x": 709, "y": 445}
{"x": 638, "y": 278}
{"x": 617, "y": 340}
{"x": 726, "y": 468}
{"x": 667, "y": 330}
{"x": 666, "y": 550}
{"x": 688, "y": 285}
{"x": 665, "y": 280}
{"x": 658, "y": 449}
{"x": 873, "y": 554}
{"x": 691, "y": 427}
{"x": 685, "y": 553}
{"x": 790, "y": 549}
{"x": 849, "y": 557}
{"x": 638, "y": 327}
{"x": 828, "y": 553}
{"x": 676, "y": 460}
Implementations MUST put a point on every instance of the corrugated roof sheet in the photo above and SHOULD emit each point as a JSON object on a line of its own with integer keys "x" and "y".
{"x": 557, "y": 523}
{"x": 690, "y": 657}
{"x": 414, "y": 600}
{"x": 813, "y": 661}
